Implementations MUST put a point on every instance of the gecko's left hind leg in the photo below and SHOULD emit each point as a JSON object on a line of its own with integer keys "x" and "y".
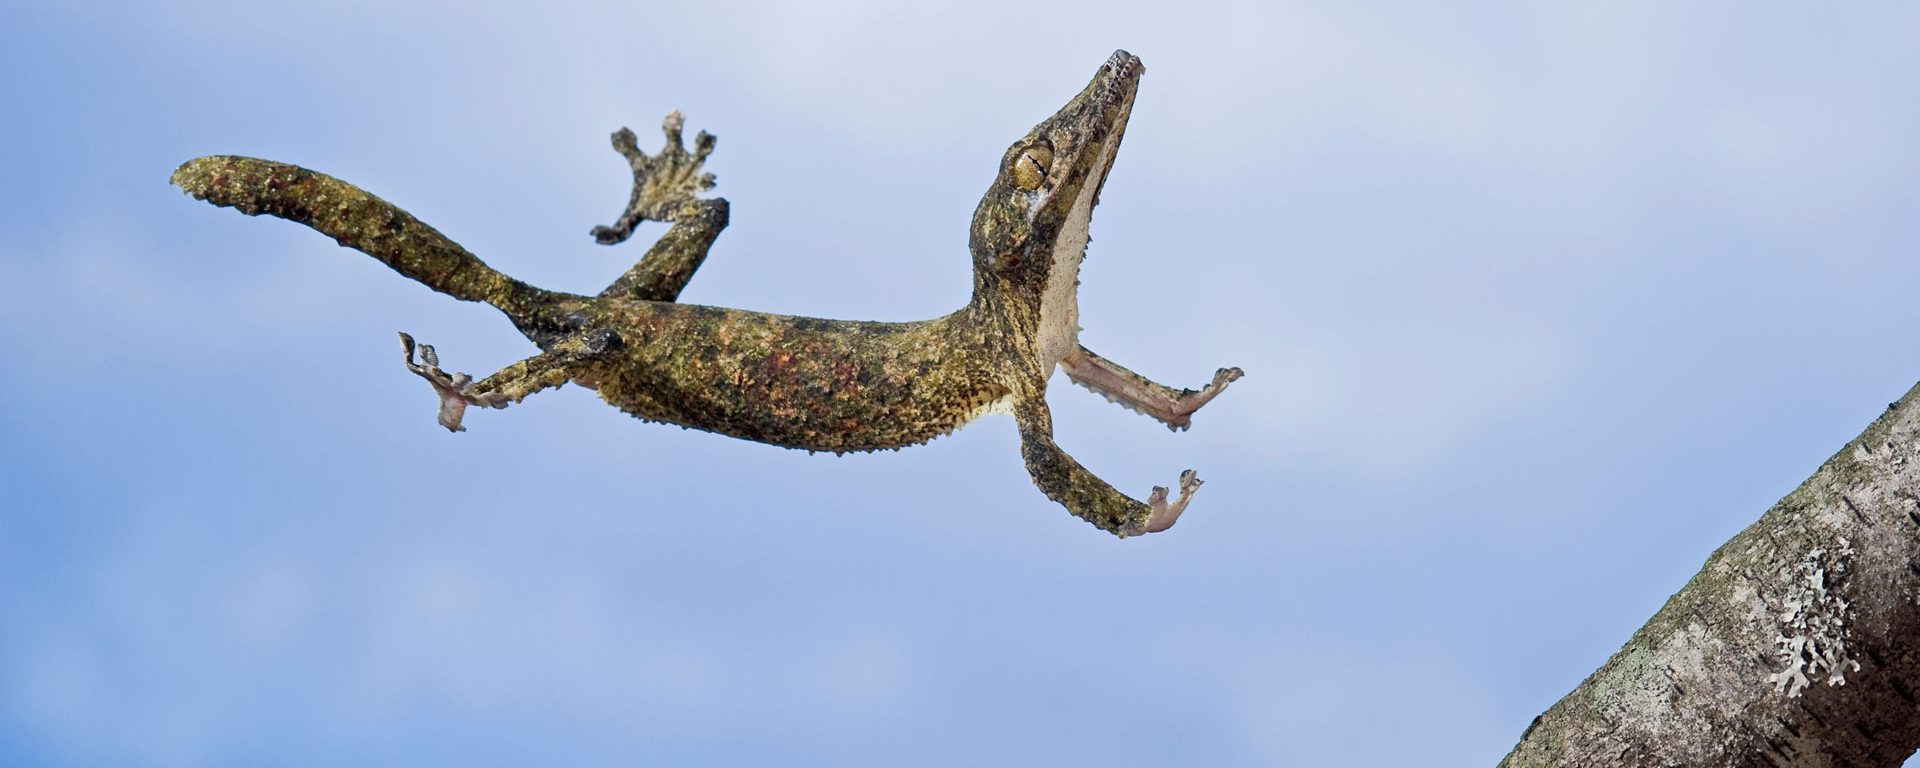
{"x": 549, "y": 369}
{"x": 664, "y": 189}
{"x": 1172, "y": 407}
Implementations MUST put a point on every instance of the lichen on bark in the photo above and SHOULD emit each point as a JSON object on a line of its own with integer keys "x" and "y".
{"x": 1794, "y": 645}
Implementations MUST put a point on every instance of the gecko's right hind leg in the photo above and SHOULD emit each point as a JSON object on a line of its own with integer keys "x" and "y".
{"x": 664, "y": 189}
{"x": 509, "y": 385}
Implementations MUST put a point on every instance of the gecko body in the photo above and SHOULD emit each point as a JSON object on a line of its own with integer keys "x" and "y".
{"x": 798, "y": 382}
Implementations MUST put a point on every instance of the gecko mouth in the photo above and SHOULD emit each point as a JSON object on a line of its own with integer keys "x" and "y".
{"x": 1109, "y": 102}
{"x": 1104, "y": 109}
{"x": 1103, "y": 114}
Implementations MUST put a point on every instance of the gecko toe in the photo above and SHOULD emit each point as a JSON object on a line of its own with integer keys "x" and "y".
{"x": 1164, "y": 514}
{"x": 663, "y": 182}
{"x": 450, "y": 388}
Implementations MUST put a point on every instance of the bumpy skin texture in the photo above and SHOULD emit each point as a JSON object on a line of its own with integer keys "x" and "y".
{"x": 826, "y": 385}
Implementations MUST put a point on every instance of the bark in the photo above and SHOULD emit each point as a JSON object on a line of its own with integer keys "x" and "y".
{"x": 1794, "y": 645}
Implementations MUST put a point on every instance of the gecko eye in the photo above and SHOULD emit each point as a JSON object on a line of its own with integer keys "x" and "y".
{"x": 1030, "y": 167}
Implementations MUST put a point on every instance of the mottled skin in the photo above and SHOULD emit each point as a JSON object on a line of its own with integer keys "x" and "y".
{"x": 827, "y": 385}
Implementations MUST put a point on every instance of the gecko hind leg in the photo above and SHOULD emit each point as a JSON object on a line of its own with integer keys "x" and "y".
{"x": 1172, "y": 407}
{"x": 664, "y": 189}
{"x": 509, "y": 385}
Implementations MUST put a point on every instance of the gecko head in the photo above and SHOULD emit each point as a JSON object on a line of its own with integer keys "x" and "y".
{"x": 1030, "y": 231}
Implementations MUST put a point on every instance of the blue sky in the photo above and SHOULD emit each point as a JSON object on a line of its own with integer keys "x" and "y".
{"x": 1538, "y": 304}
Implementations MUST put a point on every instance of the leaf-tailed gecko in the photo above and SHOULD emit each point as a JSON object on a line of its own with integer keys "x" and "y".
{"x": 798, "y": 382}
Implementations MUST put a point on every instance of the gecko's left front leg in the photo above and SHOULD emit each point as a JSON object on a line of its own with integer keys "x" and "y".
{"x": 664, "y": 189}
{"x": 1172, "y": 407}
{"x": 1083, "y": 493}
{"x": 549, "y": 369}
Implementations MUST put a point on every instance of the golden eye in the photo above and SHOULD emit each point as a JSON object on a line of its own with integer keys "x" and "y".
{"x": 1030, "y": 168}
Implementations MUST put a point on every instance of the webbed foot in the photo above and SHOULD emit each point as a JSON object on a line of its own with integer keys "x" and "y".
{"x": 452, "y": 388}
{"x": 1165, "y": 514}
{"x": 661, "y": 183}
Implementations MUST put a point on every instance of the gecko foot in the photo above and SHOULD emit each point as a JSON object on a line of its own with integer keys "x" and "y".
{"x": 1164, "y": 514}
{"x": 452, "y": 388}
{"x": 661, "y": 183}
{"x": 1191, "y": 400}
{"x": 1167, "y": 405}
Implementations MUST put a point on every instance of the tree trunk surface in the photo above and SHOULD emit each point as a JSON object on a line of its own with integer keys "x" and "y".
{"x": 1797, "y": 644}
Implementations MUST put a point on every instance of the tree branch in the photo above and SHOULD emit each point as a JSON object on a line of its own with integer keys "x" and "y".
{"x": 1797, "y": 644}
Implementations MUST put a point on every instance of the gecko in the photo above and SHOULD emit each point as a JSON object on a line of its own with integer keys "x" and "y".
{"x": 796, "y": 382}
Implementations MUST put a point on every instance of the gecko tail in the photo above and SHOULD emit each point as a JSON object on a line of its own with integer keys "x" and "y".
{"x": 356, "y": 219}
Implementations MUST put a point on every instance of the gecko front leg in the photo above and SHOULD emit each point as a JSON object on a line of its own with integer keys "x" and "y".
{"x": 664, "y": 189}
{"x": 1172, "y": 407}
{"x": 509, "y": 385}
{"x": 1083, "y": 493}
